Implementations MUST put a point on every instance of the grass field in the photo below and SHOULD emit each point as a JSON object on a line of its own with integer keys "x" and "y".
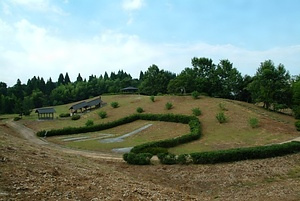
{"x": 236, "y": 132}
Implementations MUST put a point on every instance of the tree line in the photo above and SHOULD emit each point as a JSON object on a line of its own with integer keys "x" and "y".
{"x": 271, "y": 85}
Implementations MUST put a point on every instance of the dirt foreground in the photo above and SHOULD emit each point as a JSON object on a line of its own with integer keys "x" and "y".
{"x": 39, "y": 171}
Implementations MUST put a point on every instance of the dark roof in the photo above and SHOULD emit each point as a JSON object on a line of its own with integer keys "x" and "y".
{"x": 80, "y": 105}
{"x": 45, "y": 110}
{"x": 129, "y": 88}
{"x": 94, "y": 102}
{"x": 84, "y": 104}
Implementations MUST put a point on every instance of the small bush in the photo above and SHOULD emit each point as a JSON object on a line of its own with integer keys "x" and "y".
{"x": 297, "y": 124}
{"x": 152, "y": 98}
{"x": 196, "y": 111}
{"x": 140, "y": 110}
{"x": 222, "y": 107}
{"x": 63, "y": 115}
{"x": 195, "y": 94}
{"x": 114, "y": 104}
{"x": 75, "y": 117}
{"x": 221, "y": 117}
{"x": 17, "y": 118}
{"x": 102, "y": 114}
{"x": 89, "y": 123}
{"x": 254, "y": 123}
{"x": 169, "y": 105}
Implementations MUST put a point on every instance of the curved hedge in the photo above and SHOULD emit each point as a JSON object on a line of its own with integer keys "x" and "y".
{"x": 142, "y": 154}
{"x": 125, "y": 120}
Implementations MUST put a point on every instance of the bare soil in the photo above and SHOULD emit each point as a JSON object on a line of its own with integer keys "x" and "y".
{"x": 32, "y": 169}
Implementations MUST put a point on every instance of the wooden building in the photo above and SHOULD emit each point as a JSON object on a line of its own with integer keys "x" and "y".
{"x": 45, "y": 113}
{"x": 83, "y": 106}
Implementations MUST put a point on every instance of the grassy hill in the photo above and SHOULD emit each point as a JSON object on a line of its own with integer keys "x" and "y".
{"x": 236, "y": 132}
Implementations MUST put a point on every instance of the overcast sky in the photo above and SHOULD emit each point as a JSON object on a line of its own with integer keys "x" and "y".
{"x": 48, "y": 37}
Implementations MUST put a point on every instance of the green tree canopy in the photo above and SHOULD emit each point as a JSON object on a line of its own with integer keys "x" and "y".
{"x": 270, "y": 84}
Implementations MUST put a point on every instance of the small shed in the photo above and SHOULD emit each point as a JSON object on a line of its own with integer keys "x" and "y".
{"x": 45, "y": 113}
{"x": 82, "y": 106}
{"x": 79, "y": 106}
{"x": 94, "y": 103}
{"x": 129, "y": 90}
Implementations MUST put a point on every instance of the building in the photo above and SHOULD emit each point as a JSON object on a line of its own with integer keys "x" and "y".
{"x": 83, "y": 106}
{"x": 45, "y": 113}
{"x": 129, "y": 90}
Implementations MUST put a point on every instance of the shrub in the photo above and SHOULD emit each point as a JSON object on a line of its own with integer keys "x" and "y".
{"x": 221, "y": 117}
{"x": 184, "y": 159}
{"x": 195, "y": 94}
{"x": 138, "y": 159}
{"x": 169, "y": 105}
{"x": 89, "y": 123}
{"x": 17, "y": 118}
{"x": 254, "y": 123}
{"x": 140, "y": 110}
{"x": 114, "y": 104}
{"x": 196, "y": 111}
{"x": 152, "y": 98}
{"x": 102, "y": 114}
{"x": 167, "y": 158}
{"x": 75, "y": 117}
{"x": 297, "y": 124}
{"x": 296, "y": 111}
{"x": 222, "y": 107}
{"x": 62, "y": 115}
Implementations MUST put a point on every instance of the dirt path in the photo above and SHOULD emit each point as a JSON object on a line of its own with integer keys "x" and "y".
{"x": 29, "y": 135}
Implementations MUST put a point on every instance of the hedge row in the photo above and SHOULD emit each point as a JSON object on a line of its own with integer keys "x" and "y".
{"x": 232, "y": 155}
{"x": 151, "y": 117}
{"x": 99, "y": 127}
{"x": 195, "y": 134}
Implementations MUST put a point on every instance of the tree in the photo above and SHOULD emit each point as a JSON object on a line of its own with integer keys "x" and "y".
{"x": 296, "y": 98}
{"x": 156, "y": 81}
{"x": 270, "y": 84}
{"x": 205, "y": 70}
{"x": 61, "y": 79}
{"x": 67, "y": 79}
{"x": 184, "y": 82}
{"x": 79, "y": 78}
{"x": 229, "y": 80}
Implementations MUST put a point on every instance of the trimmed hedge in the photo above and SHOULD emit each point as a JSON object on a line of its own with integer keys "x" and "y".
{"x": 195, "y": 128}
{"x": 232, "y": 155}
{"x": 125, "y": 120}
{"x": 138, "y": 159}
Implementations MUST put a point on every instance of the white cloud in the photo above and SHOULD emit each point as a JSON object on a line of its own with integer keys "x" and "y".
{"x": 37, "y": 52}
{"x": 131, "y": 5}
{"x": 39, "y": 5}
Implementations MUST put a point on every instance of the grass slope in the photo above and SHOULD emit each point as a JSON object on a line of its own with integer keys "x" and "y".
{"x": 236, "y": 132}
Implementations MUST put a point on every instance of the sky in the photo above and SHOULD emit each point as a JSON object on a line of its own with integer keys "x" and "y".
{"x": 48, "y": 37}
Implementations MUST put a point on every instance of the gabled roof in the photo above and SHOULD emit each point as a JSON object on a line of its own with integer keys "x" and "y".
{"x": 129, "y": 88}
{"x": 94, "y": 102}
{"x": 45, "y": 110}
{"x": 80, "y": 105}
{"x": 84, "y": 104}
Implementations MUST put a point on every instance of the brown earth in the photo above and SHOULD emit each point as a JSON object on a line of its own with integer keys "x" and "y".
{"x": 31, "y": 169}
